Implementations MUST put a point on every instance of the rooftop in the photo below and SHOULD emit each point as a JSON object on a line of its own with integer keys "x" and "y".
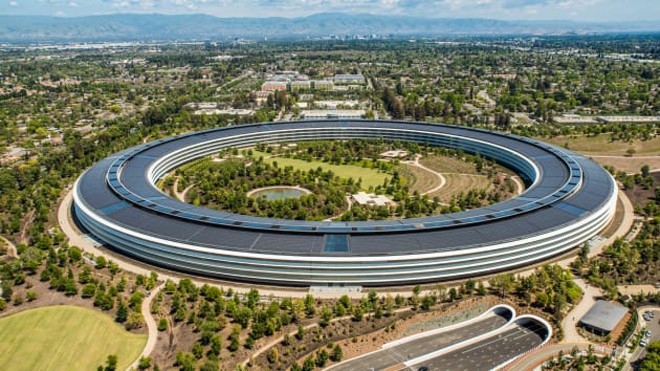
{"x": 604, "y": 316}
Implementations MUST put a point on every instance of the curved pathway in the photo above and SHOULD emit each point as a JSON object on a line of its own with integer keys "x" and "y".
{"x": 441, "y": 179}
{"x": 569, "y": 323}
{"x": 11, "y": 248}
{"x": 533, "y": 359}
{"x": 152, "y": 326}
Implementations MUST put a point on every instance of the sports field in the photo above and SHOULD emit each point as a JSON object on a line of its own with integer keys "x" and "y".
{"x": 65, "y": 338}
{"x": 370, "y": 177}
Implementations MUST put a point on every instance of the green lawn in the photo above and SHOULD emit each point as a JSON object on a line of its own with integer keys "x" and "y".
{"x": 64, "y": 338}
{"x": 370, "y": 177}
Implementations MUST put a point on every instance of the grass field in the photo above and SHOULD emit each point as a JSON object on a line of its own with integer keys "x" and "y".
{"x": 457, "y": 183}
{"x": 64, "y": 338}
{"x": 370, "y": 177}
{"x": 420, "y": 179}
{"x": 601, "y": 145}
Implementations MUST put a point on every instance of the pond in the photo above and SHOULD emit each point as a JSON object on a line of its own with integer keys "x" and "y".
{"x": 278, "y": 193}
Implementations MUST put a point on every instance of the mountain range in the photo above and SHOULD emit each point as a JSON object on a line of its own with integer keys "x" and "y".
{"x": 141, "y": 27}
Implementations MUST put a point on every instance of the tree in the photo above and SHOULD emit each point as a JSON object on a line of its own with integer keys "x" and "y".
{"x": 322, "y": 358}
{"x": 162, "y": 324}
{"x": 645, "y": 170}
{"x": 111, "y": 363}
{"x": 301, "y": 332}
{"x": 134, "y": 321}
{"x": 273, "y": 355}
{"x": 216, "y": 345}
{"x": 88, "y": 290}
{"x": 337, "y": 353}
{"x": 234, "y": 338}
{"x": 122, "y": 312}
{"x": 144, "y": 363}
{"x": 100, "y": 262}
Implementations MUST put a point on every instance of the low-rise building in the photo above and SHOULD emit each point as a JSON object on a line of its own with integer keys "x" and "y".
{"x": 323, "y": 85}
{"x": 230, "y": 111}
{"x": 274, "y": 86}
{"x": 349, "y": 79}
{"x": 300, "y": 85}
{"x": 398, "y": 153}
{"x": 603, "y": 317}
{"x": 332, "y": 114}
{"x": 628, "y": 119}
{"x": 570, "y": 119}
{"x": 370, "y": 199}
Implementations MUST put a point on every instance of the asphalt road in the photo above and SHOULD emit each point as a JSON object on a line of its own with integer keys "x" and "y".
{"x": 387, "y": 358}
{"x": 654, "y": 326}
{"x": 488, "y": 353}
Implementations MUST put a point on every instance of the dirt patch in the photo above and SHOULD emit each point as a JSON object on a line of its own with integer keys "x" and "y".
{"x": 639, "y": 196}
{"x": 629, "y": 164}
{"x": 448, "y": 164}
{"x": 462, "y": 183}
{"x": 419, "y": 179}
{"x": 603, "y": 145}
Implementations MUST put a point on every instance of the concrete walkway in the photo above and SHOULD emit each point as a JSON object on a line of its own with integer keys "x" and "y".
{"x": 441, "y": 179}
{"x": 152, "y": 326}
{"x": 569, "y": 323}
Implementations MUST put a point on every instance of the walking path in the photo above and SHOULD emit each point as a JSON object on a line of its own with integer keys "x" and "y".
{"x": 569, "y": 323}
{"x": 520, "y": 188}
{"x": 535, "y": 358}
{"x": 152, "y": 326}
{"x": 274, "y": 342}
{"x": 441, "y": 179}
{"x": 11, "y": 248}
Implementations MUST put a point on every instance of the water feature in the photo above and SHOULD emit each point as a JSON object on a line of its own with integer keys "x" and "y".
{"x": 278, "y": 193}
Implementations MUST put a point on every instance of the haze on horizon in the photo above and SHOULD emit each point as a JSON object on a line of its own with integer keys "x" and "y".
{"x": 576, "y": 10}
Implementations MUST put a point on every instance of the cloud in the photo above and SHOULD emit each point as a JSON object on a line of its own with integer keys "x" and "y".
{"x": 13, "y": 3}
{"x": 73, "y": 4}
{"x": 59, "y": 13}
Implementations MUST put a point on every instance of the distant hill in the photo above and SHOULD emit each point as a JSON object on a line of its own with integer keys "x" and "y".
{"x": 123, "y": 27}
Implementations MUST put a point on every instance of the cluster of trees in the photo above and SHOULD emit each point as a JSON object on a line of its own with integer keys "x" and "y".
{"x": 651, "y": 361}
{"x": 576, "y": 361}
{"x": 550, "y": 288}
{"x": 225, "y": 185}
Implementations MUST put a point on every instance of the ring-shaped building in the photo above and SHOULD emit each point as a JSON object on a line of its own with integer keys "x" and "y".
{"x": 568, "y": 200}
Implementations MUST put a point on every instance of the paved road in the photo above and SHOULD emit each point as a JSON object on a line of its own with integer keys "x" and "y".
{"x": 391, "y": 357}
{"x": 654, "y": 326}
{"x": 490, "y": 352}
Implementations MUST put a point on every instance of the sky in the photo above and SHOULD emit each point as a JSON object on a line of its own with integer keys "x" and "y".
{"x": 577, "y": 10}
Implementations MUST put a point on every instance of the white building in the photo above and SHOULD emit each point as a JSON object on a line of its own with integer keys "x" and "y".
{"x": 332, "y": 114}
{"x": 349, "y": 79}
{"x": 370, "y": 199}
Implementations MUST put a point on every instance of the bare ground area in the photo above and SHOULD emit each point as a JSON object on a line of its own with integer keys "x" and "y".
{"x": 419, "y": 179}
{"x": 462, "y": 183}
{"x": 448, "y": 164}
{"x": 639, "y": 195}
{"x": 603, "y": 145}
{"x": 628, "y": 164}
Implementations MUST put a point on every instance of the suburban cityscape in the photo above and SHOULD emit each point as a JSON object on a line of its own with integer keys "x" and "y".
{"x": 272, "y": 186}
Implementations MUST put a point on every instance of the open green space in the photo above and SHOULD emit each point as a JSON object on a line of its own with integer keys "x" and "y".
{"x": 603, "y": 145}
{"x": 65, "y": 338}
{"x": 370, "y": 177}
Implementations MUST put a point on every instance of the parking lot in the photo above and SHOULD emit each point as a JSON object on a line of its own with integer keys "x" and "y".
{"x": 652, "y": 325}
